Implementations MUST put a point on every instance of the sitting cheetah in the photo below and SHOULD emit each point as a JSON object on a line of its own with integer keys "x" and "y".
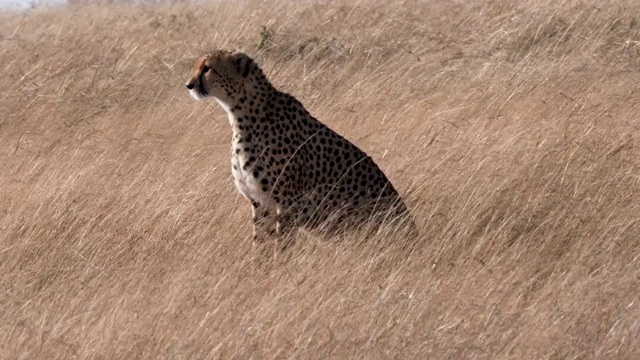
{"x": 295, "y": 171}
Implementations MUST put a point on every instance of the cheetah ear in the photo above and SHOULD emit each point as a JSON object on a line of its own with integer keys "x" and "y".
{"x": 243, "y": 63}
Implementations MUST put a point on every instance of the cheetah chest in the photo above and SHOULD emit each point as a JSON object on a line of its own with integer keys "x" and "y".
{"x": 248, "y": 171}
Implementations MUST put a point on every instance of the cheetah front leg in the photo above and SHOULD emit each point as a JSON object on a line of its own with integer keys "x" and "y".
{"x": 264, "y": 222}
{"x": 285, "y": 222}
{"x": 295, "y": 216}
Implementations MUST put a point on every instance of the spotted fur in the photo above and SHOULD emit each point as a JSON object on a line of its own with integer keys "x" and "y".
{"x": 294, "y": 170}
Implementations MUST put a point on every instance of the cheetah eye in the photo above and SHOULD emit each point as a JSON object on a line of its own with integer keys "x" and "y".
{"x": 205, "y": 69}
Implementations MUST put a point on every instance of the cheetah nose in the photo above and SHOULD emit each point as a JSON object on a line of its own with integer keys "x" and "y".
{"x": 190, "y": 86}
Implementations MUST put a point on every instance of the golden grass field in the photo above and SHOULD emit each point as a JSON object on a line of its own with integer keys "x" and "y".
{"x": 510, "y": 128}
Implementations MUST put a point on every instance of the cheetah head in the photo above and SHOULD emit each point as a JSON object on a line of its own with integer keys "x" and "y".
{"x": 222, "y": 75}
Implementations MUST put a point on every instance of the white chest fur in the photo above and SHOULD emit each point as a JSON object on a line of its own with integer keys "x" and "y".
{"x": 246, "y": 166}
{"x": 247, "y": 170}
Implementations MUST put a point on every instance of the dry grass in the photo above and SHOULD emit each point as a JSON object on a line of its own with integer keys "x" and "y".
{"x": 512, "y": 130}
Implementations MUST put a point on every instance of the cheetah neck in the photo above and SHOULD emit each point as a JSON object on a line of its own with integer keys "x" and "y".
{"x": 240, "y": 113}
{"x": 230, "y": 114}
{"x": 233, "y": 114}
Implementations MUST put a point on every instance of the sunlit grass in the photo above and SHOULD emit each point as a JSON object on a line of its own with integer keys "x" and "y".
{"x": 510, "y": 129}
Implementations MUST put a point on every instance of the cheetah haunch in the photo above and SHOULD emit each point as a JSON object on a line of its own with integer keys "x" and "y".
{"x": 295, "y": 171}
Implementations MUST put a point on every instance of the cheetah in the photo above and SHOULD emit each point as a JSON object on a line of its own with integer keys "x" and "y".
{"x": 295, "y": 171}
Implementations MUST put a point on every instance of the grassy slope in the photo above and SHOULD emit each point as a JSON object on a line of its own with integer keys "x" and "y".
{"x": 512, "y": 130}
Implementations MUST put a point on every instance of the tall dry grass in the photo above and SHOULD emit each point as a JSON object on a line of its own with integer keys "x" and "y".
{"x": 511, "y": 128}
